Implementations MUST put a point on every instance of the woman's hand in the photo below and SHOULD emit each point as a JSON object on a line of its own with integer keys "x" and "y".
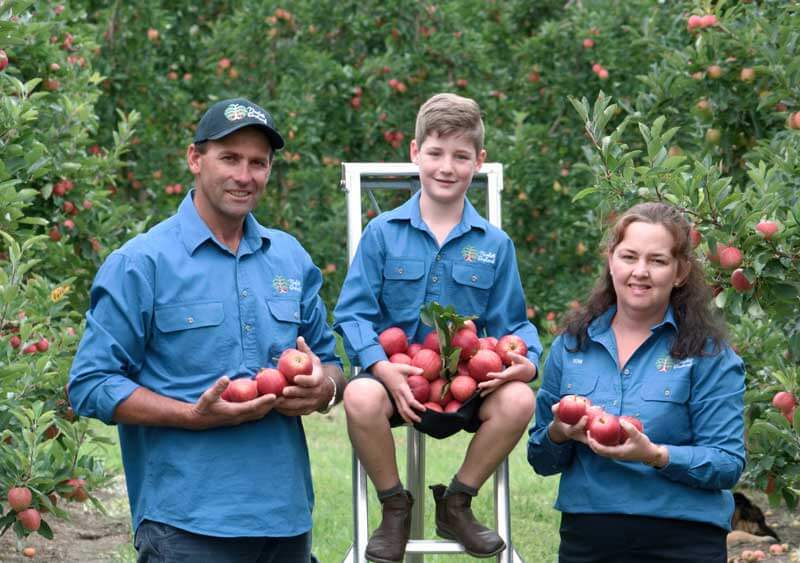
{"x": 561, "y": 432}
{"x": 637, "y": 447}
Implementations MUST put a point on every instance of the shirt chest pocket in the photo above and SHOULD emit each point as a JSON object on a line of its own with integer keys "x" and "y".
{"x": 195, "y": 333}
{"x": 472, "y": 285}
{"x": 403, "y": 283}
{"x": 286, "y": 319}
{"x": 577, "y": 381}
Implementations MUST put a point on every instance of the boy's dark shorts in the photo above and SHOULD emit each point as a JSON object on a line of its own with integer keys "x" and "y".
{"x": 437, "y": 424}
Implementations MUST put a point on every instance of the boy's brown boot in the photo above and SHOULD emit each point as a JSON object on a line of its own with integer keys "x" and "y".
{"x": 455, "y": 521}
{"x": 388, "y": 541}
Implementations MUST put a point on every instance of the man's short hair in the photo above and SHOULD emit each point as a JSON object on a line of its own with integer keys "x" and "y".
{"x": 448, "y": 114}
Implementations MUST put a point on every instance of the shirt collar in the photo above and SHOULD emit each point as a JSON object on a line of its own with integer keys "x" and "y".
{"x": 603, "y": 323}
{"x": 409, "y": 211}
{"x": 194, "y": 231}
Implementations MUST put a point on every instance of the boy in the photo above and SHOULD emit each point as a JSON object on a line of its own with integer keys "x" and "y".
{"x": 435, "y": 247}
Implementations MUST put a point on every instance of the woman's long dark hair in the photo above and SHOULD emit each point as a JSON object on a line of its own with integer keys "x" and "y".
{"x": 691, "y": 301}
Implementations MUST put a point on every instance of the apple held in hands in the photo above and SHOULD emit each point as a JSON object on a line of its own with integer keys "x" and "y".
{"x": 635, "y": 422}
{"x": 293, "y": 362}
{"x": 605, "y": 429}
{"x": 435, "y": 407}
{"x": 572, "y": 408}
{"x": 510, "y": 343}
{"x": 431, "y": 341}
{"x": 400, "y": 358}
{"x": 429, "y": 362}
{"x": 270, "y": 381}
{"x": 463, "y": 387}
{"x": 467, "y": 340}
{"x": 437, "y": 395}
{"x": 483, "y": 363}
{"x": 452, "y": 406}
{"x": 242, "y": 390}
{"x": 393, "y": 340}
{"x": 488, "y": 343}
{"x": 413, "y": 349}
{"x": 420, "y": 388}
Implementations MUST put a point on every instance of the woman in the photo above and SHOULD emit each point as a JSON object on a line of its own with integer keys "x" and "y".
{"x": 646, "y": 344}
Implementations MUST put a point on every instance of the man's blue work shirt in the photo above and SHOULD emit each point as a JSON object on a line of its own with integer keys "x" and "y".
{"x": 399, "y": 267}
{"x": 172, "y": 311}
{"x": 694, "y": 407}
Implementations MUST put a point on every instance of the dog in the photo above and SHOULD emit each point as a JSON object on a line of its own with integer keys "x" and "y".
{"x": 748, "y": 524}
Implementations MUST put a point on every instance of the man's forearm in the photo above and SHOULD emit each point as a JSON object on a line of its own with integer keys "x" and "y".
{"x": 151, "y": 409}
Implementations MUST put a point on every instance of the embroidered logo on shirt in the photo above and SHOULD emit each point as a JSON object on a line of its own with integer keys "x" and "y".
{"x": 687, "y": 363}
{"x": 472, "y": 254}
{"x": 664, "y": 363}
{"x": 285, "y": 285}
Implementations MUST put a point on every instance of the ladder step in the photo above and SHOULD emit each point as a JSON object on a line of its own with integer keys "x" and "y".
{"x": 434, "y": 546}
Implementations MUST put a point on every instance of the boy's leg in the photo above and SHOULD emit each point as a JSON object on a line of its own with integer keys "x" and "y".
{"x": 369, "y": 414}
{"x": 504, "y": 415}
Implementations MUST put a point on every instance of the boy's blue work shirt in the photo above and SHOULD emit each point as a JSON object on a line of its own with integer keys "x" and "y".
{"x": 399, "y": 267}
{"x": 694, "y": 407}
{"x": 172, "y": 311}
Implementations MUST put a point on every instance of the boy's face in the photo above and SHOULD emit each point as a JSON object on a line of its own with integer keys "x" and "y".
{"x": 446, "y": 166}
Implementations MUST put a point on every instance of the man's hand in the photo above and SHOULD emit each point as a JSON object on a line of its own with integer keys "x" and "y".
{"x": 210, "y": 411}
{"x": 394, "y": 377}
{"x": 521, "y": 369}
{"x": 308, "y": 393}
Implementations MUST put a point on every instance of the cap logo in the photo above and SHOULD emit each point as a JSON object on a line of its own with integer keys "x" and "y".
{"x": 235, "y": 112}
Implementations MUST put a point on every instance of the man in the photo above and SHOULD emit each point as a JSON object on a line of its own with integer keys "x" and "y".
{"x": 204, "y": 297}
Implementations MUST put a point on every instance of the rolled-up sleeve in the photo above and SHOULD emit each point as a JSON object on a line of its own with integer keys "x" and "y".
{"x": 507, "y": 312}
{"x": 716, "y": 458}
{"x": 545, "y": 456}
{"x": 112, "y": 349}
{"x": 358, "y": 310}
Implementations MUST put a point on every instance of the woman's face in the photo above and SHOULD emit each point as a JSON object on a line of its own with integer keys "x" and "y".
{"x": 644, "y": 271}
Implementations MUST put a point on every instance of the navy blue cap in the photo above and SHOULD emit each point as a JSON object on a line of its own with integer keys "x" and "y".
{"x": 227, "y": 116}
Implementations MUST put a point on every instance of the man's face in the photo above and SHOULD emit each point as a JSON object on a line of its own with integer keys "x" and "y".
{"x": 230, "y": 176}
{"x": 446, "y": 166}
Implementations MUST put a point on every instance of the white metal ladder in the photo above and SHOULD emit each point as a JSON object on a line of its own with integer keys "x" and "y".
{"x": 368, "y": 176}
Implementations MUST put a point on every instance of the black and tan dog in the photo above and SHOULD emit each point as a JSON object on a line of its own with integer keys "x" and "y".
{"x": 748, "y": 524}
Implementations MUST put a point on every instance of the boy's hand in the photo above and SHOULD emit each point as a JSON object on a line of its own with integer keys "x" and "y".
{"x": 521, "y": 369}
{"x": 394, "y": 377}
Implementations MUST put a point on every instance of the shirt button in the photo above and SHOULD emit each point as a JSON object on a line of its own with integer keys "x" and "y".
{"x": 614, "y": 403}
{"x": 400, "y": 270}
{"x": 474, "y": 278}
{"x": 438, "y": 257}
{"x": 189, "y": 320}
{"x": 435, "y": 279}
{"x": 296, "y": 315}
{"x": 666, "y": 392}
{"x": 569, "y": 385}
{"x": 627, "y": 371}
{"x": 244, "y": 293}
{"x": 247, "y": 328}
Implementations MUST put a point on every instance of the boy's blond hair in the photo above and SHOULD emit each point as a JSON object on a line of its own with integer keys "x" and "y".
{"x": 449, "y": 114}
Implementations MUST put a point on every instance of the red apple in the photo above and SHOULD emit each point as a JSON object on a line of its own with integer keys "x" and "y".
{"x": 241, "y": 390}
{"x": 708, "y": 20}
{"x": 694, "y": 234}
{"x": 431, "y": 341}
{"x": 588, "y": 43}
{"x": 571, "y": 408}
{"x": 43, "y": 345}
{"x": 420, "y": 388}
{"x": 694, "y": 22}
{"x": 393, "y": 340}
{"x": 730, "y": 258}
{"x": 467, "y": 340}
{"x": 510, "y": 343}
{"x": 270, "y": 381}
{"x": 793, "y": 120}
{"x": 15, "y": 341}
{"x": 437, "y": 385}
{"x": 483, "y": 363}
{"x": 602, "y": 74}
{"x": 623, "y": 435}
{"x": 463, "y": 368}
{"x": 592, "y": 412}
{"x": 470, "y": 324}
{"x": 430, "y": 363}
{"x": 413, "y": 349}
{"x": 452, "y": 406}
{"x": 30, "y": 519}
{"x": 740, "y": 282}
{"x": 293, "y": 362}
{"x": 431, "y": 406}
{"x": 784, "y": 401}
{"x": 19, "y": 498}
{"x": 463, "y": 387}
{"x": 714, "y": 72}
{"x": 488, "y": 343}
{"x": 3, "y": 60}
{"x": 605, "y": 429}
{"x": 747, "y": 74}
{"x": 789, "y": 415}
{"x": 400, "y": 358}
{"x": 767, "y": 229}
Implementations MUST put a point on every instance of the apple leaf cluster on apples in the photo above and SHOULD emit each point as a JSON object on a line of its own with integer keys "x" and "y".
{"x": 445, "y": 322}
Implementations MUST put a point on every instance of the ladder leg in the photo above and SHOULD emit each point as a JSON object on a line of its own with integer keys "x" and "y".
{"x": 360, "y": 511}
{"x": 415, "y": 481}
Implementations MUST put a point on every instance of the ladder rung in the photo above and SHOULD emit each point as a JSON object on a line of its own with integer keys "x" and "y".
{"x": 434, "y": 546}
